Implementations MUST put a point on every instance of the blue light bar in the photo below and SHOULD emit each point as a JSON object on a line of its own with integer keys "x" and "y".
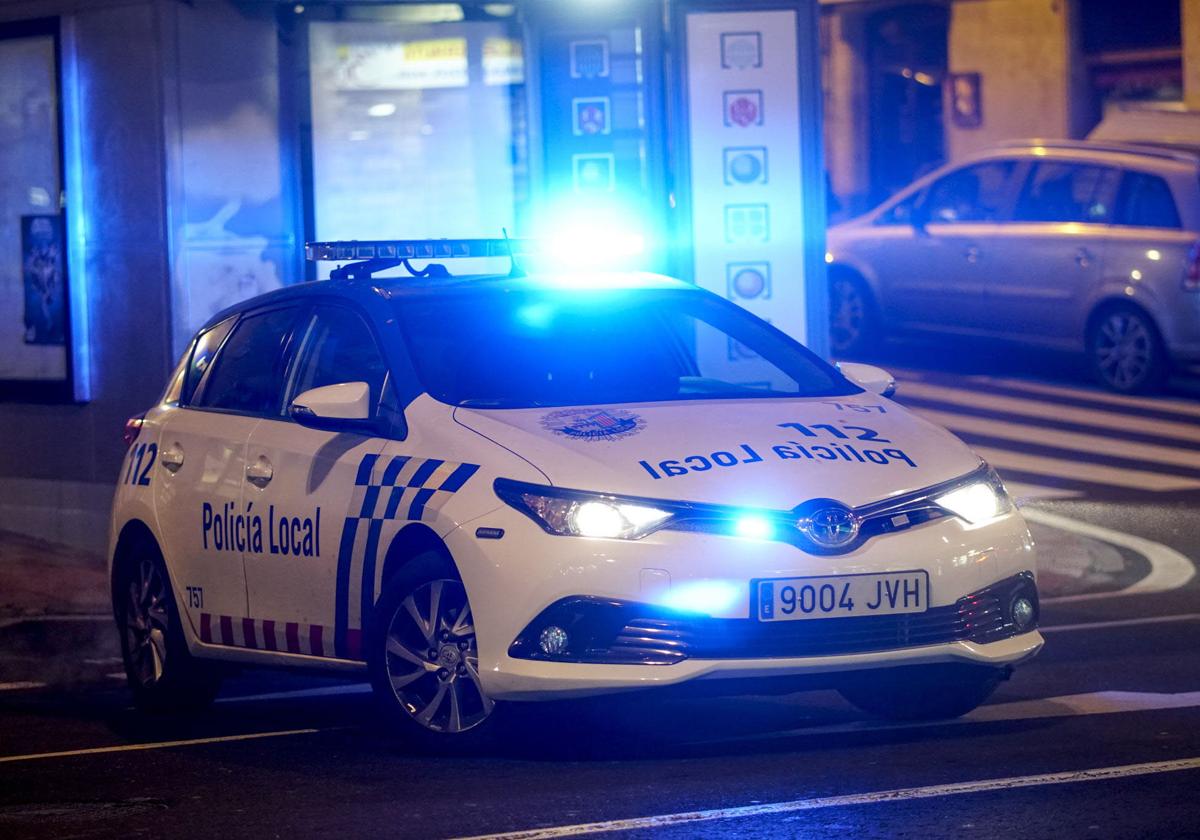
{"x": 417, "y": 249}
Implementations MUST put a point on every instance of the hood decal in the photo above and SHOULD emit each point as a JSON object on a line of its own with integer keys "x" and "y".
{"x": 593, "y": 423}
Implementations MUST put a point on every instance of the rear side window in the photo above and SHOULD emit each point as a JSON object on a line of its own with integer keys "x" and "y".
{"x": 1146, "y": 201}
{"x": 207, "y": 344}
{"x": 974, "y": 194}
{"x": 247, "y": 375}
{"x": 1067, "y": 192}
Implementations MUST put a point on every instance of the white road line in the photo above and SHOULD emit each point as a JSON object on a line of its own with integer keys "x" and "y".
{"x": 325, "y": 691}
{"x": 1004, "y": 459}
{"x": 21, "y": 686}
{"x": 883, "y": 796}
{"x": 1168, "y": 568}
{"x": 1035, "y": 410}
{"x": 1177, "y": 406}
{"x": 1126, "y": 622}
{"x": 160, "y": 745}
{"x": 1075, "y": 441}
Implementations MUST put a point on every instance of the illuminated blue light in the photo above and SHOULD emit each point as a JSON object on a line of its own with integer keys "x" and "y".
{"x": 536, "y": 316}
{"x": 705, "y": 596}
{"x": 754, "y": 527}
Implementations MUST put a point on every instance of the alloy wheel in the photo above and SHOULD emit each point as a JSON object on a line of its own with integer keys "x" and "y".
{"x": 1124, "y": 350}
{"x": 432, "y": 661}
{"x": 849, "y": 312}
{"x": 147, "y": 618}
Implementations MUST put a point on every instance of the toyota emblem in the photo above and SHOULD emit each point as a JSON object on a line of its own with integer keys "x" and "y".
{"x": 830, "y": 525}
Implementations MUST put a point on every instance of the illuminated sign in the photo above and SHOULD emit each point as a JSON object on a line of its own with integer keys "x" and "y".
{"x": 411, "y": 65}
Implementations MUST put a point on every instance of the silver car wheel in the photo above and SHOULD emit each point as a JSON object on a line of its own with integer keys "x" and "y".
{"x": 1124, "y": 349}
{"x": 147, "y": 618}
{"x": 849, "y": 314}
{"x": 431, "y": 659}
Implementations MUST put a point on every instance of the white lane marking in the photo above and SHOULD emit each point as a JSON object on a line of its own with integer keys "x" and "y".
{"x": 325, "y": 691}
{"x": 1075, "y": 441}
{"x": 1004, "y": 459}
{"x": 1037, "y": 410}
{"x": 21, "y": 686}
{"x": 896, "y": 795}
{"x": 1124, "y": 622}
{"x": 1168, "y": 568}
{"x": 160, "y": 745}
{"x": 1177, "y": 406}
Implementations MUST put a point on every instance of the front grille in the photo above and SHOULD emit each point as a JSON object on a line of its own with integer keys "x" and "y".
{"x": 643, "y": 634}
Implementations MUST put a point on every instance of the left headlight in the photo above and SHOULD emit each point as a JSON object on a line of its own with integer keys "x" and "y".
{"x": 977, "y": 501}
{"x": 576, "y": 514}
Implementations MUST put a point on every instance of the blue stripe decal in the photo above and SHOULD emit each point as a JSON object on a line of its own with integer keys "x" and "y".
{"x": 393, "y": 470}
{"x": 369, "y": 499}
{"x": 423, "y": 472}
{"x": 364, "y": 470}
{"x": 367, "y": 599}
{"x": 397, "y": 493}
{"x": 341, "y": 604}
{"x": 459, "y": 477}
{"x": 418, "y": 505}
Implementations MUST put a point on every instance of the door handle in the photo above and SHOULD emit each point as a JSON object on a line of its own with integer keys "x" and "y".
{"x": 972, "y": 254}
{"x": 1083, "y": 257}
{"x": 260, "y": 472}
{"x": 172, "y": 458}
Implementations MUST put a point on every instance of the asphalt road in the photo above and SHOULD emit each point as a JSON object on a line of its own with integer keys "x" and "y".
{"x": 1098, "y": 737}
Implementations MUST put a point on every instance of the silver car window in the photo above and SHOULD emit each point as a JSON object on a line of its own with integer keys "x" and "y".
{"x": 1146, "y": 201}
{"x": 1058, "y": 191}
{"x": 973, "y": 194}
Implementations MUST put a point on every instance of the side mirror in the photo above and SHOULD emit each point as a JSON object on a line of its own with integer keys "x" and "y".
{"x": 345, "y": 407}
{"x": 868, "y": 377}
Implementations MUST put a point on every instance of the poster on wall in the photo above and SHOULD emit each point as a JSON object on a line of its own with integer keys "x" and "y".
{"x": 44, "y": 280}
{"x": 748, "y": 231}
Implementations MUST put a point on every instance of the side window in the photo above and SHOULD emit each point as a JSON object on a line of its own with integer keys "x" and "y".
{"x": 207, "y": 344}
{"x": 1067, "y": 192}
{"x": 338, "y": 347}
{"x": 900, "y": 214}
{"x": 974, "y": 194}
{"x": 247, "y": 375}
{"x": 175, "y": 383}
{"x": 1146, "y": 201}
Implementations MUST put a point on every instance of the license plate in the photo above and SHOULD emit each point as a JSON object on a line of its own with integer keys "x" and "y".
{"x": 839, "y": 596}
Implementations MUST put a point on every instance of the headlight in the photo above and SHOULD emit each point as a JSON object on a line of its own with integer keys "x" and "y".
{"x": 979, "y": 501}
{"x": 575, "y": 514}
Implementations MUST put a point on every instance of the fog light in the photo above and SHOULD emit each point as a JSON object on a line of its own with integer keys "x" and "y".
{"x": 1022, "y": 613}
{"x": 553, "y": 640}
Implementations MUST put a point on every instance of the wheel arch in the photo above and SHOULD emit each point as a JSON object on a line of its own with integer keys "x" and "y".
{"x": 410, "y": 542}
{"x": 1108, "y": 304}
{"x": 133, "y": 533}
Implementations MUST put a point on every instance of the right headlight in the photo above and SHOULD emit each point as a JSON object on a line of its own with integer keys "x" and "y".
{"x": 977, "y": 501}
{"x": 577, "y": 514}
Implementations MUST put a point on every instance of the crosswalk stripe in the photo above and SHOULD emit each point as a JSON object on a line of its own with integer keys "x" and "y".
{"x": 1020, "y": 433}
{"x": 1036, "y": 410}
{"x": 1003, "y": 459}
{"x": 1152, "y": 403}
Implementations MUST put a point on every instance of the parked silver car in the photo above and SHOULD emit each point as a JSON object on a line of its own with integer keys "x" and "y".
{"x": 1078, "y": 245}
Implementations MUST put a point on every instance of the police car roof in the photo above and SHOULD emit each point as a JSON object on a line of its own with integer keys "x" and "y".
{"x": 369, "y": 292}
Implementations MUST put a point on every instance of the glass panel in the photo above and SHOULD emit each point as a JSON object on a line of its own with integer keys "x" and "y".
{"x": 338, "y": 347}
{"x": 1067, "y": 192}
{"x": 414, "y": 129}
{"x": 974, "y": 194}
{"x": 33, "y": 310}
{"x": 248, "y": 373}
{"x": 1146, "y": 201}
{"x": 206, "y": 348}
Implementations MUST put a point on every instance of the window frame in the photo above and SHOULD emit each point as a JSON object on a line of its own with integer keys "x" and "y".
{"x": 1006, "y": 206}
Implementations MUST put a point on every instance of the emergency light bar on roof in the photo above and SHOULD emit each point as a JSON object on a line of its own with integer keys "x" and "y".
{"x": 417, "y": 249}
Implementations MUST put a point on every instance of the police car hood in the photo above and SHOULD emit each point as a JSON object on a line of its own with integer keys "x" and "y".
{"x": 768, "y": 453}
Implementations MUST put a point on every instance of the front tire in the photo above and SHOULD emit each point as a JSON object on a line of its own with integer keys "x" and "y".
{"x": 423, "y": 658}
{"x": 1125, "y": 351}
{"x": 922, "y": 693}
{"x": 854, "y": 324}
{"x": 161, "y": 672}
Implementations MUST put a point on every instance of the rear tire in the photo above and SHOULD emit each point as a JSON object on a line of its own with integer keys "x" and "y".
{"x": 1125, "y": 351}
{"x": 161, "y": 672}
{"x": 423, "y": 659}
{"x": 855, "y": 327}
{"x": 922, "y": 693}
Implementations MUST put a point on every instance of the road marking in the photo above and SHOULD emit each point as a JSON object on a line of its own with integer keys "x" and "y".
{"x": 325, "y": 691}
{"x": 896, "y": 795}
{"x": 1003, "y": 459}
{"x": 1168, "y": 568}
{"x": 1035, "y": 410}
{"x": 160, "y": 745}
{"x": 9, "y": 622}
{"x": 1178, "y": 406}
{"x": 1075, "y": 441}
{"x": 21, "y": 686}
{"x": 1022, "y": 492}
{"x": 1126, "y": 622}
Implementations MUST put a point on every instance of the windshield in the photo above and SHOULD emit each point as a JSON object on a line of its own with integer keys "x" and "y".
{"x": 525, "y": 349}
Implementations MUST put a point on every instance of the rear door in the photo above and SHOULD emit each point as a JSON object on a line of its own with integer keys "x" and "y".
{"x": 302, "y": 594}
{"x": 202, "y": 469}
{"x": 1042, "y": 268}
{"x": 934, "y": 275}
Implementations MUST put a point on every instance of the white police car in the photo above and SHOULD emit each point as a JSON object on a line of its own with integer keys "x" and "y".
{"x": 509, "y": 488}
